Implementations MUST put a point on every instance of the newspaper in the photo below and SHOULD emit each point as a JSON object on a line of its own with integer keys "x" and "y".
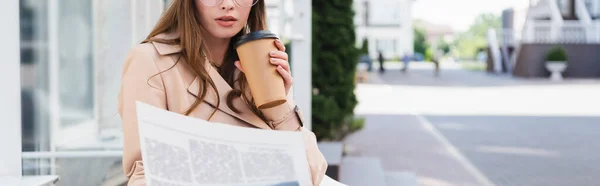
{"x": 181, "y": 151}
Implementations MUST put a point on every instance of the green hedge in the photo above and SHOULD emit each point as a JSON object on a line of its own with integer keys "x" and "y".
{"x": 334, "y": 61}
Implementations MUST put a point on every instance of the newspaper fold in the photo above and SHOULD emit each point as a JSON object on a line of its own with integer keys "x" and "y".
{"x": 182, "y": 151}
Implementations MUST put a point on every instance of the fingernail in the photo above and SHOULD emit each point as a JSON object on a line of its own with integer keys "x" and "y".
{"x": 272, "y": 52}
{"x": 279, "y": 67}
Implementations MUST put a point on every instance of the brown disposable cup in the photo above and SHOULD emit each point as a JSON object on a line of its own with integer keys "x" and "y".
{"x": 266, "y": 84}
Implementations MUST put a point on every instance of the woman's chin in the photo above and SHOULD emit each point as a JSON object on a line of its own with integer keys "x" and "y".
{"x": 225, "y": 33}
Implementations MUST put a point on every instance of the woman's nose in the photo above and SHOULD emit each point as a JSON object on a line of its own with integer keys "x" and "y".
{"x": 227, "y": 5}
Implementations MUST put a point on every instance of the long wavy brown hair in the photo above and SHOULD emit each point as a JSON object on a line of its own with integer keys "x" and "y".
{"x": 182, "y": 16}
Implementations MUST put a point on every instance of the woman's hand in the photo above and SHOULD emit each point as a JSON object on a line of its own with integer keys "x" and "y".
{"x": 280, "y": 59}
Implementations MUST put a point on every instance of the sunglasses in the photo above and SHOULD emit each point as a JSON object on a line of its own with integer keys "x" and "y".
{"x": 242, "y": 3}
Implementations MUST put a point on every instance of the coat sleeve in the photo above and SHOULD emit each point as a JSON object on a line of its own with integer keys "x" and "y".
{"x": 285, "y": 119}
{"x": 142, "y": 82}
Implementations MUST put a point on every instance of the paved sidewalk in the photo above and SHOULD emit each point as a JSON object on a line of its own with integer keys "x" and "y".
{"x": 403, "y": 144}
{"x": 468, "y": 128}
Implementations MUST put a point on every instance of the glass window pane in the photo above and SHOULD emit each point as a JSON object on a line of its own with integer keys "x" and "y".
{"x": 93, "y": 39}
{"x": 34, "y": 75}
{"x": 76, "y": 62}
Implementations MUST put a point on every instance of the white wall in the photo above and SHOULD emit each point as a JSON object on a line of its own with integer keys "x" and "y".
{"x": 10, "y": 97}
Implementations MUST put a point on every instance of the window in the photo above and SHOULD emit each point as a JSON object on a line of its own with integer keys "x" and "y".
{"x": 387, "y": 46}
{"x": 76, "y": 68}
{"x": 386, "y": 13}
{"x": 34, "y": 74}
{"x": 57, "y": 88}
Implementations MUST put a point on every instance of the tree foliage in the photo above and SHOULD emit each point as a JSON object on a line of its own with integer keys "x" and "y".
{"x": 443, "y": 46}
{"x": 475, "y": 37}
{"x": 420, "y": 44}
{"x": 334, "y": 61}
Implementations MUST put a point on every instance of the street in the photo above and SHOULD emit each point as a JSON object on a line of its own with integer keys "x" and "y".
{"x": 474, "y": 128}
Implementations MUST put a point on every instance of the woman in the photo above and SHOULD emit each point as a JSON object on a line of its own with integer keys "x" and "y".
{"x": 188, "y": 65}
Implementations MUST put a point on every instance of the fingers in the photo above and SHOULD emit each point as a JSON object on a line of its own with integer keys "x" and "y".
{"x": 238, "y": 65}
{"x": 280, "y": 45}
{"x": 280, "y": 62}
{"x": 279, "y": 54}
{"x": 287, "y": 77}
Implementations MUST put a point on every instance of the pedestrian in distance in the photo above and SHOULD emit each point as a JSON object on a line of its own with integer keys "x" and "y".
{"x": 381, "y": 61}
{"x": 405, "y": 60}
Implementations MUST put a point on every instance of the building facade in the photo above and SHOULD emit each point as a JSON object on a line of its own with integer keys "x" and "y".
{"x": 532, "y": 30}
{"x": 386, "y": 24}
{"x": 562, "y": 21}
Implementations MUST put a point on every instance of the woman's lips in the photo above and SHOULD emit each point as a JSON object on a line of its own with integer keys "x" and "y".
{"x": 226, "y": 21}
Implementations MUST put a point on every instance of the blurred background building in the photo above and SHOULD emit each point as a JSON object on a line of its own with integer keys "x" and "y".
{"x": 529, "y": 32}
{"x": 386, "y": 24}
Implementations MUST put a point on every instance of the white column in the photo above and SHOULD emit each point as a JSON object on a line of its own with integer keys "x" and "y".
{"x": 10, "y": 96}
{"x": 54, "y": 76}
{"x": 301, "y": 57}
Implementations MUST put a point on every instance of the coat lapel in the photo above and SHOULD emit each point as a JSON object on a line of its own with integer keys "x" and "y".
{"x": 223, "y": 89}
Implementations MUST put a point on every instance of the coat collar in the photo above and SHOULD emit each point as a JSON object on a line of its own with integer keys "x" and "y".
{"x": 222, "y": 87}
{"x": 166, "y": 49}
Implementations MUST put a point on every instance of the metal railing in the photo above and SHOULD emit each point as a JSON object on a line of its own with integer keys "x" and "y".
{"x": 72, "y": 154}
{"x": 509, "y": 37}
{"x": 569, "y": 32}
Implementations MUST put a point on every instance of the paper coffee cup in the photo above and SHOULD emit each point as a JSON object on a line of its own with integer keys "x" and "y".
{"x": 266, "y": 84}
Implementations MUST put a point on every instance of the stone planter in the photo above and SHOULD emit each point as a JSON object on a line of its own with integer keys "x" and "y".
{"x": 556, "y": 69}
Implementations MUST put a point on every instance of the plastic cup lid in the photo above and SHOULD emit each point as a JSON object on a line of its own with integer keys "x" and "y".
{"x": 256, "y": 35}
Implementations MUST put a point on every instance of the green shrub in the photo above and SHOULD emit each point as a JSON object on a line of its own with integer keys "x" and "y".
{"x": 428, "y": 55}
{"x": 556, "y": 54}
{"x": 357, "y": 124}
{"x": 334, "y": 61}
{"x": 365, "y": 46}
